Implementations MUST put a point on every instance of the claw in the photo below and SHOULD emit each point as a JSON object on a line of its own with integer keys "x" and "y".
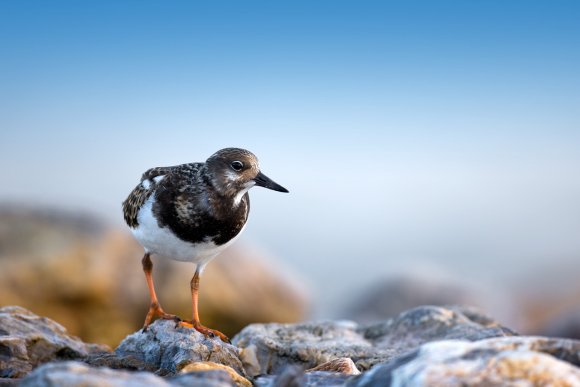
{"x": 212, "y": 333}
{"x": 155, "y": 310}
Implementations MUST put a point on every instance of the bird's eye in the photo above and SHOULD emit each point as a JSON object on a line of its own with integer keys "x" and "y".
{"x": 237, "y": 165}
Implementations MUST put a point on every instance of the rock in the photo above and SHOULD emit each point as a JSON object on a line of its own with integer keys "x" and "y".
{"x": 294, "y": 376}
{"x": 526, "y": 361}
{"x": 114, "y": 361}
{"x": 75, "y": 374}
{"x": 204, "y": 366}
{"x": 168, "y": 349}
{"x": 275, "y": 346}
{"x": 290, "y": 376}
{"x": 211, "y": 378}
{"x": 28, "y": 340}
{"x": 424, "y": 324}
{"x": 392, "y": 296}
{"x": 544, "y": 305}
{"x": 566, "y": 324}
{"x": 268, "y": 348}
{"x": 343, "y": 365}
{"x": 88, "y": 276}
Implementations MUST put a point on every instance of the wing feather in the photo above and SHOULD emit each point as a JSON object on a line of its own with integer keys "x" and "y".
{"x": 141, "y": 193}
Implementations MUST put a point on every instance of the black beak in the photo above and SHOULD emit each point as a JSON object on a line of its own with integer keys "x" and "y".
{"x": 264, "y": 181}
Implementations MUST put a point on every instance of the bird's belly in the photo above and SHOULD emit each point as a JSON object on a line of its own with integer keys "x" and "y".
{"x": 161, "y": 241}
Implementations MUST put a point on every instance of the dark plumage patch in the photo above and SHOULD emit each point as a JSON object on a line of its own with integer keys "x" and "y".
{"x": 197, "y": 201}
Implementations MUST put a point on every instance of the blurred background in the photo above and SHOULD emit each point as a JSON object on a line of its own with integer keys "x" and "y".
{"x": 431, "y": 150}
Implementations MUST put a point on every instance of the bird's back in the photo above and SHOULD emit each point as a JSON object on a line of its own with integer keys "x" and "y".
{"x": 184, "y": 201}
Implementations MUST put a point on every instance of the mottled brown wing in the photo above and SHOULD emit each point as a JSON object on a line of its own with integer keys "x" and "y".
{"x": 133, "y": 203}
{"x": 140, "y": 194}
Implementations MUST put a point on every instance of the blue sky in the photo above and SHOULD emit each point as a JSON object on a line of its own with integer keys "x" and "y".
{"x": 443, "y": 133}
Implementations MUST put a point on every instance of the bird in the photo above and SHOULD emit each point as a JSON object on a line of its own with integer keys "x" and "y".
{"x": 192, "y": 212}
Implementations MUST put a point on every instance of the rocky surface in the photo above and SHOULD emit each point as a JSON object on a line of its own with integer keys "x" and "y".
{"x": 294, "y": 376}
{"x": 168, "y": 349}
{"x": 204, "y": 366}
{"x": 424, "y": 346}
{"x": 27, "y": 340}
{"x": 88, "y": 276}
{"x": 268, "y": 348}
{"x": 75, "y": 374}
{"x": 521, "y": 361}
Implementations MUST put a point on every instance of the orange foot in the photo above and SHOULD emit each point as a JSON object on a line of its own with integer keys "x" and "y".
{"x": 155, "y": 310}
{"x": 204, "y": 330}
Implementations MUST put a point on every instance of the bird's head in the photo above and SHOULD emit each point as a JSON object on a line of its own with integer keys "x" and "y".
{"x": 234, "y": 171}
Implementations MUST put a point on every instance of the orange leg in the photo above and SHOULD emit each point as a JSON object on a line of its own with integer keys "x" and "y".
{"x": 195, "y": 323}
{"x": 155, "y": 309}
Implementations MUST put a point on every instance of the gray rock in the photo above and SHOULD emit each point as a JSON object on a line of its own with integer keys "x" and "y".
{"x": 428, "y": 323}
{"x": 522, "y": 361}
{"x": 5, "y": 382}
{"x": 167, "y": 349}
{"x": 294, "y": 376}
{"x": 76, "y": 374}
{"x": 566, "y": 324}
{"x": 268, "y": 348}
{"x": 392, "y": 296}
{"x": 116, "y": 362}
{"x": 28, "y": 340}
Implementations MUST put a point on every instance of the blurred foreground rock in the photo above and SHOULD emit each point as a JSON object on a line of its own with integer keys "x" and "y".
{"x": 88, "y": 276}
{"x": 425, "y": 346}
{"x": 514, "y": 361}
{"x": 27, "y": 340}
{"x": 75, "y": 374}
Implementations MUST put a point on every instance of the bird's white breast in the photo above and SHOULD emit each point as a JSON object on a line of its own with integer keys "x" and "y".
{"x": 161, "y": 241}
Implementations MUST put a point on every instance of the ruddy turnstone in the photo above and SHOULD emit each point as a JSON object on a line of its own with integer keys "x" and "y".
{"x": 192, "y": 212}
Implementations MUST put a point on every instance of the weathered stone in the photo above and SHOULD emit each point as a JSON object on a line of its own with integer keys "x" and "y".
{"x": 389, "y": 297}
{"x": 71, "y": 373}
{"x": 428, "y": 323}
{"x": 526, "y": 361}
{"x": 294, "y": 376}
{"x": 204, "y": 366}
{"x": 168, "y": 348}
{"x": 28, "y": 340}
{"x": 6, "y": 382}
{"x": 343, "y": 365}
{"x": 211, "y": 378}
{"x": 114, "y": 361}
{"x": 268, "y": 348}
{"x": 566, "y": 324}
{"x": 306, "y": 345}
{"x": 75, "y": 374}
